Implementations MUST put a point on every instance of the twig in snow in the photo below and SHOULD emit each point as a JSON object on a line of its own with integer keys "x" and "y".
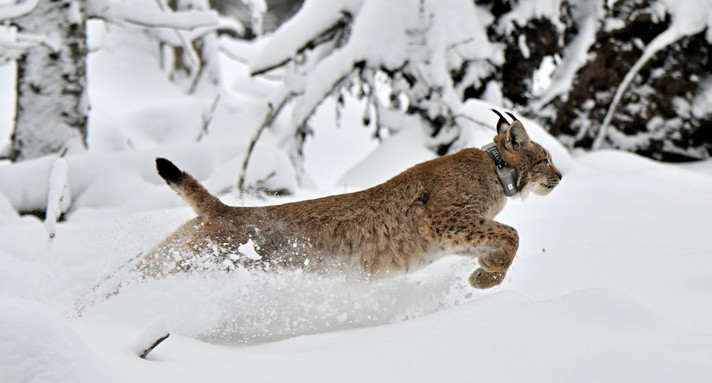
{"x": 150, "y": 348}
{"x": 155, "y": 333}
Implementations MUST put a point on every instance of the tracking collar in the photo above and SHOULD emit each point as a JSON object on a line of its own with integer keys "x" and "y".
{"x": 507, "y": 175}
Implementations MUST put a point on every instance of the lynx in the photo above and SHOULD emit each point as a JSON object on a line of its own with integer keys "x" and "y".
{"x": 435, "y": 208}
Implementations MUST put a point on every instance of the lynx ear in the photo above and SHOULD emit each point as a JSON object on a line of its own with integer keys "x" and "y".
{"x": 516, "y": 137}
{"x": 502, "y": 124}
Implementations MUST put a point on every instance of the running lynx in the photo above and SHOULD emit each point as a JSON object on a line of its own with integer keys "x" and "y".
{"x": 435, "y": 208}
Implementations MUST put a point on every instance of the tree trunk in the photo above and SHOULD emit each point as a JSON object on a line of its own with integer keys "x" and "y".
{"x": 52, "y": 104}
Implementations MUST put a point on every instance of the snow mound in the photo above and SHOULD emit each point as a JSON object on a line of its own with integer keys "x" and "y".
{"x": 394, "y": 155}
{"x": 501, "y": 337}
{"x": 38, "y": 345}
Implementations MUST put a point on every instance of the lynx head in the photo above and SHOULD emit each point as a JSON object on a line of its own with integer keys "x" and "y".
{"x": 536, "y": 172}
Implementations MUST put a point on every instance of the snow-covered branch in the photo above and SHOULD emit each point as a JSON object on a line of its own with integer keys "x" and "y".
{"x": 687, "y": 19}
{"x": 334, "y": 71}
{"x": 267, "y": 63}
{"x": 14, "y": 43}
{"x": 316, "y": 22}
{"x": 257, "y": 8}
{"x": 660, "y": 42}
{"x": 10, "y": 12}
{"x": 157, "y": 18}
{"x": 587, "y": 16}
{"x": 416, "y": 43}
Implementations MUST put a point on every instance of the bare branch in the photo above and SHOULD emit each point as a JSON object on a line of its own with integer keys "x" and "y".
{"x": 272, "y": 113}
{"x": 208, "y": 116}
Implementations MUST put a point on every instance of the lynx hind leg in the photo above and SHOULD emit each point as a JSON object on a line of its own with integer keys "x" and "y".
{"x": 493, "y": 243}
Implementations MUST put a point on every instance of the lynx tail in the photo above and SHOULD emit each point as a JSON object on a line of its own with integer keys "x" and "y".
{"x": 204, "y": 203}
{"x": 168, "y": 171}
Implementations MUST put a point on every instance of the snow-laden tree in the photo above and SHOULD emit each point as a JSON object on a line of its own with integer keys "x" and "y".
{"x": 188, "y": 60}
{"x": 646, "y": 84}
{"x": 49, "y": 41}
{"x": 51, "y": 110}
{"x": 405, "y": 57}
{"x": 633, "y": 75}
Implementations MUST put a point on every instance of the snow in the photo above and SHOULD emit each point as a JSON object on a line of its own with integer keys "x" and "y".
{"x": 394, "y": 155}
{"x": 687, "y": 18}
{"x": 248, "y": 249}
{"x": 530, "y": 10}
{"x": 612, "y": 281}
{"x": 436, "y": 37}
{"x": 13, "y": 11}
{"x": 257, "y": 8}
{"x": 58, "y": 197}
{"x": 587, "y": 15}
{"x": 155, "y": 331}
{"x": 131, "y": 12}
{"x": 347, "y": 142}
{"x": 314, "y": 17}
{"x": 38, "y": 345}
{"x": 690, "y": 17}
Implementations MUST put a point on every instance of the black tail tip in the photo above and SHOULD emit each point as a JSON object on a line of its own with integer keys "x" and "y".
{"x": 167, "y": 170}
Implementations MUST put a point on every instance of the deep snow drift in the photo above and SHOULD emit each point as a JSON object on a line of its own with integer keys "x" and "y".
{"x": 611, "y": 283}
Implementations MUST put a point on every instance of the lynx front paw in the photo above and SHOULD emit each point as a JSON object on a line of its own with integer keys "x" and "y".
{"x": 495, "y": 261}
{"x": 481, "y": 279}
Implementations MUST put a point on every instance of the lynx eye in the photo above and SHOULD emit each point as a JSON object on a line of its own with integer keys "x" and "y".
{"x": 545, "y": 161}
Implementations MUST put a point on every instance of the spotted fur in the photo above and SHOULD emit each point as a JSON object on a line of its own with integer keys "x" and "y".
{"x": 443, "y": 206}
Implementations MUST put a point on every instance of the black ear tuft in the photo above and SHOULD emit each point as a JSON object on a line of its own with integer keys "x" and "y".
{"x": 511, "y": 115}
{"x": 502, "y": 123}
{"x": 168, "y": 171}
